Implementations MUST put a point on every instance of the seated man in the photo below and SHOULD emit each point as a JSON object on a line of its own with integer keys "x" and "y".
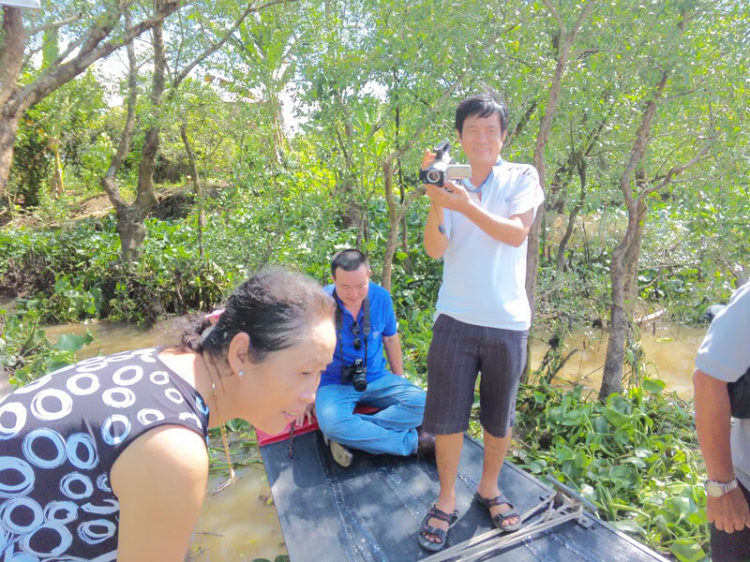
{"x": 365, "y": 325}
{"x": 724, "y": 357}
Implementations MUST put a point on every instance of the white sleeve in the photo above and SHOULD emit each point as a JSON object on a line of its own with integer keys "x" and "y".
{"x": 725, "y": 352}
{"x": 528, "y": 194}
{"x": 447, "y": 222}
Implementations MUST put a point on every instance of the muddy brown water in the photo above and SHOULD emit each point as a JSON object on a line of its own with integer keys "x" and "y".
{"x": 239, "y": 524}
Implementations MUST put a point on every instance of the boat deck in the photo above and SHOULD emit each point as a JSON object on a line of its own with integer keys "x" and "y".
{"x": 372, "y": 510}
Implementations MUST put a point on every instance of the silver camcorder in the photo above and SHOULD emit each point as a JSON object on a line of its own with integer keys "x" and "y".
{"x": 443, "y": 169}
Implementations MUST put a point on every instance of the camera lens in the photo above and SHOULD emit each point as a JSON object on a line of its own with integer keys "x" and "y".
{"x": 433, "y": 176}
{"x": 360, "y": 383}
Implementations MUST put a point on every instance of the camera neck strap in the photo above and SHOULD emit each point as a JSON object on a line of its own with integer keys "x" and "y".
{"x": 340, "y": 326}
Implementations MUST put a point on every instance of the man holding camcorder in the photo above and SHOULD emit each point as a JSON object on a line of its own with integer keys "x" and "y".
{"x": 365, "y": 326}
{"x": 478, "y": 226}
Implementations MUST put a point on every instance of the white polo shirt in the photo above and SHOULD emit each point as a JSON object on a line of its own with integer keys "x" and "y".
{"x": 725, "y": 355}
{"x": 483, "y": 279}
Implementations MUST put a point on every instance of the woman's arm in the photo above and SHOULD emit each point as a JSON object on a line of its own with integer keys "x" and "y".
{"x": 160, "y": 481}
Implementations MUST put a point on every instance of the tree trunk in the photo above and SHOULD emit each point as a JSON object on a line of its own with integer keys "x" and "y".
{"x": 132, "y": 231}
{"x": 630, "y": 261}
{"x": 351, "y": 214}
{"x": 130, "y": 225}
{"x": 8, "y": 128}
{"x": 581, "y": 165}
{"x": 11, "y": 54}
{"x": 618, "y": 317}
{"x": 147, "y": 167}
{"x": 197, "y": 186}
{"x": 57, "y": 184}
{"x": 402, "y": 198}
{"x": 404, "y": 226}
{"x": 92, "y": 47}
{"x": 545, "y": 126}
{"x": 397, "y": 212}
{"x": 393, "y": 227}
{"x": 612, "y": 376}
{"x": 560, "y": 262}
{"x": 11, "y": 61}
{"x": 145, "y": 199}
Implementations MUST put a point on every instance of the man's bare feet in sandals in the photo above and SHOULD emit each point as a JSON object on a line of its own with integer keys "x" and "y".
{"x": 433, "y": 533}
{"x": 503, "y": 513}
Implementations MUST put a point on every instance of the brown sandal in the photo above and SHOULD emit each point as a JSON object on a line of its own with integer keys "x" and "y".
{"x": 500, "y": 517}
{"x": 426, "y": 529}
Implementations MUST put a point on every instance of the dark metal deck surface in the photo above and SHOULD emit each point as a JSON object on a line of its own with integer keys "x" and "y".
{"x": 371, "y": 511}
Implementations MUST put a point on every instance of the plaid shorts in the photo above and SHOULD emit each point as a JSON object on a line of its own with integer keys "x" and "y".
{"x": 458, "y": 352}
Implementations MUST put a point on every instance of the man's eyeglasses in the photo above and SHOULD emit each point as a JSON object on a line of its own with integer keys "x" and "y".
{"x": 355, "y": 331}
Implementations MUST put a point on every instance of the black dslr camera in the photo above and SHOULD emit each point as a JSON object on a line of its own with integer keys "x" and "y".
{"x": 443, "y": 169}
{"x": 357, "y": 373}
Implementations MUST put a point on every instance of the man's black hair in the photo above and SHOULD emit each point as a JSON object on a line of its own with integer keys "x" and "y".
{"x": 348, "y": 260}
{"x": 482, "y": 105}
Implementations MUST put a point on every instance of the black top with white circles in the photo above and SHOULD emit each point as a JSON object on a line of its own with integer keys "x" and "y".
{"x": 60, "y": 436}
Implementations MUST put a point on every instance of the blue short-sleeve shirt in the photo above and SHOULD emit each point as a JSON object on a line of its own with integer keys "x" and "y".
{"x": 382, "y": 323}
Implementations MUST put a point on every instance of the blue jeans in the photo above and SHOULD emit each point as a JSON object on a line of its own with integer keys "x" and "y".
{"x": 391, "y": 430}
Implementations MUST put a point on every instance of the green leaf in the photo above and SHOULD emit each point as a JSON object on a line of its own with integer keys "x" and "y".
{"x": 687, "y": 550}
{"x": 70, "y": 342}
{"x": 61, "y": 285}
{"x": 600, "y": 425}
{"x": 629, "y": 356}
{"x": 654, "y": 386}
{"x": 616, "y": 418}
{"x": 537, "y": 466}
{"x": 635, "y": 461}
{"x": 629, "y": 526}
{"x": 681, "y": 506}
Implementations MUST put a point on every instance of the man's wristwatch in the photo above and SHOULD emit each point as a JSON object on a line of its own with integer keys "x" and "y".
{"x": 718, "y": 489}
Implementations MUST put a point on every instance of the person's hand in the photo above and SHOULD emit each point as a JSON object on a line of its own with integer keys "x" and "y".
{"x": 427, "y": 159}
{"x": 728, "y": 513}
{"x": 451, "y": 196}
{"x": 308, "y": 413}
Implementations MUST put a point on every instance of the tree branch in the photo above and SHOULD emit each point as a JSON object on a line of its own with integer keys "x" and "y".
{"x": 55, "y": 25}
{"x": 215, "y": 46}
{"x": 686, "y": 93}
{"x": 109, "y": 181}
{"x": 676, "y": 170}
{"x": 90, "y": 52}
{"x": 582, "y": 16}
{"x": 418, "y": 130}
{"x": 552, "y": 10}
{"x": 641, "y": 140}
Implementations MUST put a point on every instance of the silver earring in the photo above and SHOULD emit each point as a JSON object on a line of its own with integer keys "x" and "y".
{"x": 241, "y": 373}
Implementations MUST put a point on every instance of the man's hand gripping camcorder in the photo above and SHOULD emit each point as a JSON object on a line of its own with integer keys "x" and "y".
{"x": 443, "y": 169}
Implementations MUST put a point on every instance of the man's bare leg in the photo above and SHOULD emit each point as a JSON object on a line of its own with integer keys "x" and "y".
{"x": 447, "y": 456}
{"x": 495, "y": 449}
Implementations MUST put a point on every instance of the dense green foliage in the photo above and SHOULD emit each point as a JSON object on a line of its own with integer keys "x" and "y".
{"x": 634, "y": 457}
{"x": 308, "y": 125}
{"x": 25, "y": 351}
